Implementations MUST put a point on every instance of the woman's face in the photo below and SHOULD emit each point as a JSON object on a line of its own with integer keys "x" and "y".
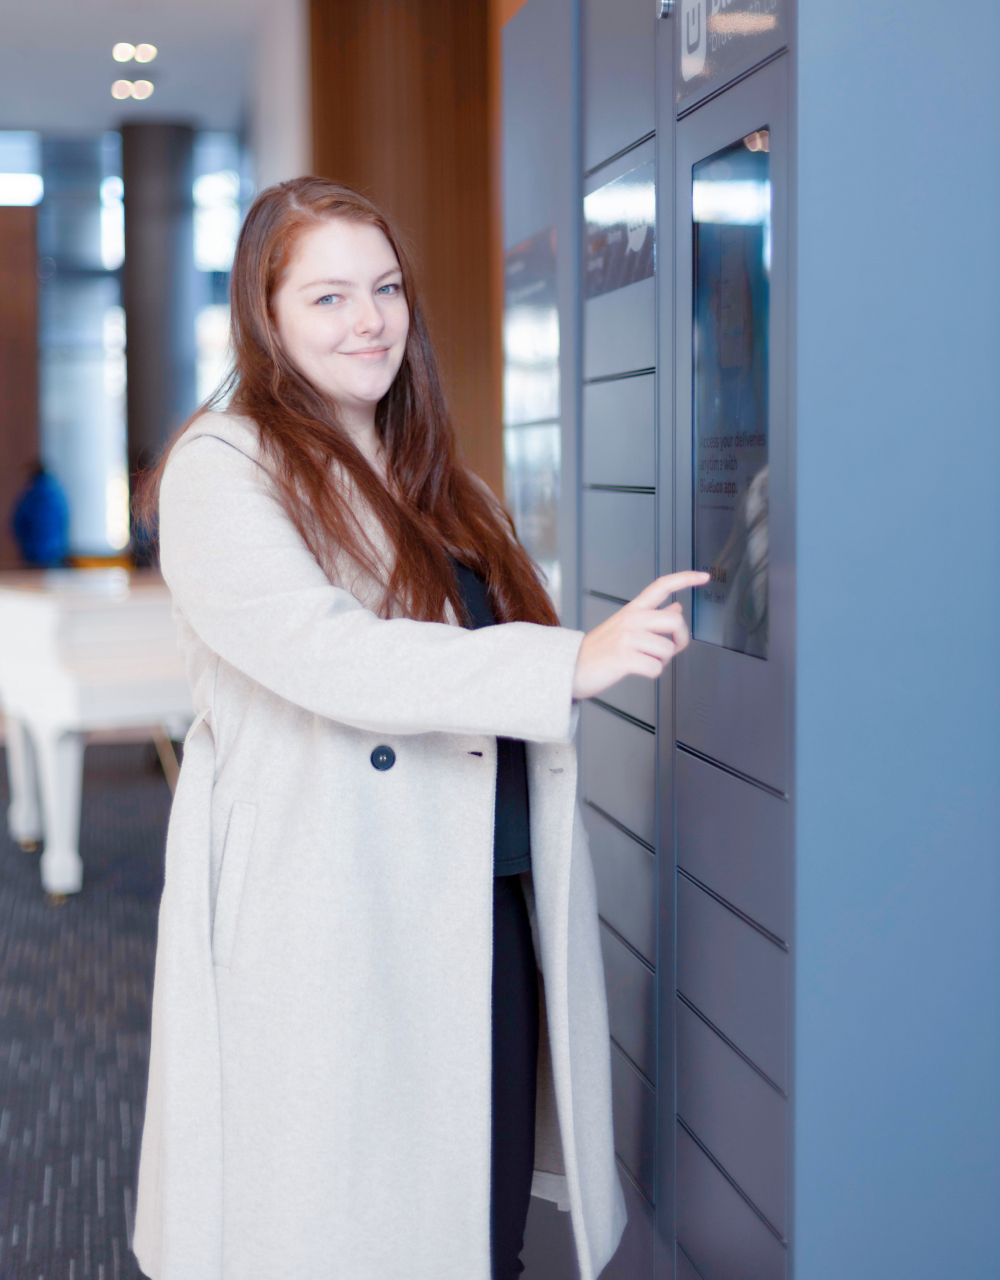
{"x": 341, "y": 314}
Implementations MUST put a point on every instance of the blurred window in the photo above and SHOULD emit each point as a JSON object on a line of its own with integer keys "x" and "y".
{"x": 20, "y": 167}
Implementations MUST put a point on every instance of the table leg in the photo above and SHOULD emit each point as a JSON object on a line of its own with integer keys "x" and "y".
{"x": 24, "y": 819}
{"x": 60, "y": 773}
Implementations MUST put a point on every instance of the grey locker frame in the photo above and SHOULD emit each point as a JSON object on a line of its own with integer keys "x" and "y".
{"x": 664, "y": 1235}
{"x": 732, "y": 708}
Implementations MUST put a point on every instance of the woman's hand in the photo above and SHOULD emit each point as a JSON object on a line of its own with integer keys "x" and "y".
{"x": 638, "y": 640}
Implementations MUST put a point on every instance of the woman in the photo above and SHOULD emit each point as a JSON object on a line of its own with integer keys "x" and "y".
{"x": 330, "y": 1094}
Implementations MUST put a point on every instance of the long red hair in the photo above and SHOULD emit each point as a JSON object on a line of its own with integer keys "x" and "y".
{"x": 433, "y": 506}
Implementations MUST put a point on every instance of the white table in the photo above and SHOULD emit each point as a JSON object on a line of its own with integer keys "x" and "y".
{"x": 80, "y": 650}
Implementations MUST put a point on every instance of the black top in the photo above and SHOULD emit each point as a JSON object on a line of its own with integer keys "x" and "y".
{"x": 511, "y": 833}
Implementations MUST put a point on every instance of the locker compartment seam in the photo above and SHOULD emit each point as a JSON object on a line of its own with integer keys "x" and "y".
{"x": 742, "y": 915}
{"x": 638, "y": 1071}
{"x": 603, "y": 164}
{"x": 532, "y": 422}
{"x": 624, "y": 715}
{"x": 628, "y": 1174}
{"x": 689, "y": 1004}
{"x": 734, "y": 773}
{"x": 618, "y": 377}
{"x": 732, "y": 1182}
{"x": 632, "y": 1063}
{"x": 690, "y": 1263}
{"x": 621, "y": 827}
{"x": 622, "y": 488}
{"x": 721, "y": 89}
{"x": 603, "y": 595}
{"x": 625, "y": 943}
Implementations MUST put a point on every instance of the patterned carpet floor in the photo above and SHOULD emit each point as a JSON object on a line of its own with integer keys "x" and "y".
{"x": 75, "y": 989}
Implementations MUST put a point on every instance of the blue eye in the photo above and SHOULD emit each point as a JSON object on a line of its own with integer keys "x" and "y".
{"x": 326, "y": 299}
{"x": 394, "y": 288}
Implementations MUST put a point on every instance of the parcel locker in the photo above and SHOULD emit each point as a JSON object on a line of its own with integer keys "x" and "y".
{"x": 685, "y": 783}
{"x": 746, "y": 225}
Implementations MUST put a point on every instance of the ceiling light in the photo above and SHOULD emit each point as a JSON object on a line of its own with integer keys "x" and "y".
{"x": 123, "y": 52}
{"x": 121, "y": 89}
{"x": 21, "y": 188}
{"x": 142, "y": 89}
{"x": 145, "y": 52}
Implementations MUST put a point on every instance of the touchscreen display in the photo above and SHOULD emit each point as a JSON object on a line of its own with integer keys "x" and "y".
{"x": 731, "y": 204}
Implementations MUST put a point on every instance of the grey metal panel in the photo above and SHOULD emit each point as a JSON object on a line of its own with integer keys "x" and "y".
{"x": 619, "y": 421}
{"x": 634, "y": 694}
{"x": 685, "y": 1271}
{"x": 619, "y": 548}
{"x": 619, "y": 770}
{"x": 538, "y": 176}
{"x": 549, "y": 1252}
{"x": 634, "y": 1106}
{"x": 625, "y": 872}
{"x": 541, "y": 189}
{"x": 633, "y": 1258}
{"x": 730, "y": 706}
{"x": 735, "y": 976}
{"x": 631, "y": 990}
{"x": 712, "y": 54}
{"x": 736, "y": 1114}
{"x": 619, "y": 330}
{"x": 737, "y": 839}
{"x": 716, "y": 1228}
{"x": 618, "y": 76}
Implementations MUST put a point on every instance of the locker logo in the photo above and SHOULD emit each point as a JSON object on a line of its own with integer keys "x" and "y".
{"x": 694, "y": 38}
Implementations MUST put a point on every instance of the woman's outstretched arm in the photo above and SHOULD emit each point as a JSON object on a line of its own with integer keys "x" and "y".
{"x": 253, "y": 592}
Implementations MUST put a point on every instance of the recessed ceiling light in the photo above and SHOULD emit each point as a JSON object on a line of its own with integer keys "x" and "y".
{"x": 123, "y": 52}
{"x": 145, "y": 52}
{"x": 142, "y": 89}
{"x": 121, "y": 89}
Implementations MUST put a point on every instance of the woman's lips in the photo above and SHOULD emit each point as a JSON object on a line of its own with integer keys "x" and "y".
{"x": 369, "y": 354}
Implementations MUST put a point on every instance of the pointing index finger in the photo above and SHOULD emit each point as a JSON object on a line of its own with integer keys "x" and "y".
{"x": 656, "y": 593}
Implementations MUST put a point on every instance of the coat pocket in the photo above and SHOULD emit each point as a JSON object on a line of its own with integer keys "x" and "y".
{"x": 235, "y": 859}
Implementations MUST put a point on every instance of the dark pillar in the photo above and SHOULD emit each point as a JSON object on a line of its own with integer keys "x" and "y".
{"x": 159, "y": 283}
{"x": 18, "y": 366}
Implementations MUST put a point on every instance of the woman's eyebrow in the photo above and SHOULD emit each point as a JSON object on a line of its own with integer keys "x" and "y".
{"x": 393, "y": 271}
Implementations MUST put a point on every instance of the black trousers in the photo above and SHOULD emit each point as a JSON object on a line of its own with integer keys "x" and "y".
{"x": 515, "y": 1058}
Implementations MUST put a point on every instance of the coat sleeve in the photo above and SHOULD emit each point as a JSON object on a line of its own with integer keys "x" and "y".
{"x": 254, "y": 593}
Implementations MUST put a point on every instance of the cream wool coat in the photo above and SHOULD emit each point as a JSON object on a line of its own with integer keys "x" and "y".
{"x": 319, "y": 1086}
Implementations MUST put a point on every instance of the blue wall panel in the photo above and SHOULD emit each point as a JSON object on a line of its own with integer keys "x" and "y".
{"x": 898, "y": 685}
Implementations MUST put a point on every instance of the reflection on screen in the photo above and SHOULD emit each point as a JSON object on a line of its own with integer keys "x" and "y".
{"x": 731, "y": 204}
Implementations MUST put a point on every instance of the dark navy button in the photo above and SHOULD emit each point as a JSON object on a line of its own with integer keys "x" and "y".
{"x": 383, "y": 758}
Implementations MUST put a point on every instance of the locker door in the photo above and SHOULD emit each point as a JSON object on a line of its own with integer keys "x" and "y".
{"x": 733, "y": 763}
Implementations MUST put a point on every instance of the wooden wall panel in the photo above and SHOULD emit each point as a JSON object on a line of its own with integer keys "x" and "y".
{"x": 401, "y": 110}
{"x": 18, "y": 365}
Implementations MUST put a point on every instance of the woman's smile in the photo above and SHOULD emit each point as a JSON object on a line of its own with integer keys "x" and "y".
{"x": 370, "y": 355}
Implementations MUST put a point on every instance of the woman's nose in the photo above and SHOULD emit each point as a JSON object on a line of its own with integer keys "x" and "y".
{"x": 369, "y": 318}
